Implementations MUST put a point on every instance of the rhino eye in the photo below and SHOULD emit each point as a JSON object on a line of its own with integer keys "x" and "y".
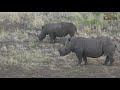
{"x": 65, "y": 49}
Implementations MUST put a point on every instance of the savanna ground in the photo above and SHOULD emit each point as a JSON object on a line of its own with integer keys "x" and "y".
{"x": 22, "y": 55}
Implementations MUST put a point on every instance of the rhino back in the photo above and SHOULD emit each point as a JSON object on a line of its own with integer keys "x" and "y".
{"x": 77, "y": 43}
{"x": 87, "y": 46}
{"x": 60, "y": 29}
{"x": 93, "y": 48}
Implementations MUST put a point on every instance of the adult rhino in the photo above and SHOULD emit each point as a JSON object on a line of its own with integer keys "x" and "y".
{"x": 89, "y": 47}
{"x": 57, "y": 30}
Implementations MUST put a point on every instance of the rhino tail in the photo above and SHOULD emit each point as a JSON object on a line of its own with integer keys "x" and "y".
{"x": 115, "y": 39}
{"x": 117, "y": 48}
{"x": 77, "y": 33}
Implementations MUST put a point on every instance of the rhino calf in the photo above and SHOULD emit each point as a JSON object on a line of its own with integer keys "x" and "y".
{"x": 57, "y": 30}
{"x": 89, "y": 47}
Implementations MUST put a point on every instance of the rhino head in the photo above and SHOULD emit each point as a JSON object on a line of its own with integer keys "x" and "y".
{"x": 42, "y": 35}
{"x": 66, "y": 49}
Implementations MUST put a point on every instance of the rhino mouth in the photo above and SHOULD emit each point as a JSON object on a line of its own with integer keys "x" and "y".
{"x": 61, "y": 54}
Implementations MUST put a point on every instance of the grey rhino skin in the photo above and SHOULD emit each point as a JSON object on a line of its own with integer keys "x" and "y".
{"x": 89, "y": 47}
{"x": 57, "y": 30}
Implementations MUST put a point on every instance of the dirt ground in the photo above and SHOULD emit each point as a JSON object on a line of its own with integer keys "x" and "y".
{"x": 93, "y": 70}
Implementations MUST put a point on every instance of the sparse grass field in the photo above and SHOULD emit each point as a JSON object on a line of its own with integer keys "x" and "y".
{"x": 23, "y": 56}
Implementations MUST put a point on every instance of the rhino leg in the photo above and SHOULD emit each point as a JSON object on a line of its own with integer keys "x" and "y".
{"x": 85, "y": 60}
{"x": 111, "y": 61}
{"x": 79, "y": 58}
{"x": 106, "y": 61}
{"x": 52, "y": 38}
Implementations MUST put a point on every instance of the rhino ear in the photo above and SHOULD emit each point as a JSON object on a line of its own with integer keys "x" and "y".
{"x": 42, "y": 27}
{"x": 68, "y": 39}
